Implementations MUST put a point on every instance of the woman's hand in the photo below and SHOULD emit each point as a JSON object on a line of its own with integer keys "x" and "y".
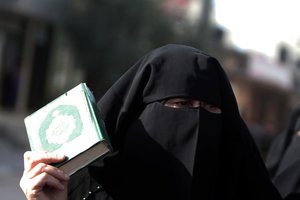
{"x": 40, "y": 180}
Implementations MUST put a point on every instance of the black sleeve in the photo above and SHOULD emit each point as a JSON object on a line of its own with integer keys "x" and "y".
{"x": 83, "y": 187}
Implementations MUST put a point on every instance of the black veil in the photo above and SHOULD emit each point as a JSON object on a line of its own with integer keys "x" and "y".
{"x": 187, "y": 154}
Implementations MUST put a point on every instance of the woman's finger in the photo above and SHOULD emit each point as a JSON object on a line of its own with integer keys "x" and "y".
{"x": 44, "y": 179}
{"x": 32, "y": 158}
{"x": 38, "y": 183}
{"x": 48, "y": 169}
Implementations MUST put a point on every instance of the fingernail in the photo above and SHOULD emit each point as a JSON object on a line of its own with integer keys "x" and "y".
{"x": 60, "y": 156}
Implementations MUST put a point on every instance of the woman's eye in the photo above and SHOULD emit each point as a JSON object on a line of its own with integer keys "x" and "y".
{"x": 181, "y": 103}
{"x": 211, "y": 108}
{"x": 191, "y": 103}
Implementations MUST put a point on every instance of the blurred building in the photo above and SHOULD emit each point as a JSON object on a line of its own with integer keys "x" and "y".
{"x": 30, "y": 40}
{"x": 192, "y": 18}
{"x": 271, "y": 92}
{"x": 37, "y": 61}
{"x": 296, "y": 72}
{"x": 264, "y": 89}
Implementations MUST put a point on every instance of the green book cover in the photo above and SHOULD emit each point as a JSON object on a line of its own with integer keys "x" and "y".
{"x": 69, "y": 125}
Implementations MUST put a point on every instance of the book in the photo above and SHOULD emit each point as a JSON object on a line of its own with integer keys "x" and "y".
{"x": 71, "y": 125}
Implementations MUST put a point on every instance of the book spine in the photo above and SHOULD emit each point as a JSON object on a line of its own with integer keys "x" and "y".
{"x": 99, "y": 123}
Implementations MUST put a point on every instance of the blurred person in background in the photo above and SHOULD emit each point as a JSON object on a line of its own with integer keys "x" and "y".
{"x": 177, "y": 133}
{"x": 283, "y": 160}
{"x": 260, "y": 135}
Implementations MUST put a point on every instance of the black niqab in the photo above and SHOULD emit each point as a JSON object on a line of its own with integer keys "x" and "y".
{"x": 167, "y": 153}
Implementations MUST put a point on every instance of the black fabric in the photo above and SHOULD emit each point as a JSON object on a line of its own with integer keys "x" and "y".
{"x": 283, "y": 161}
{"x": 83, "y": 186}
{"x": 167, "y": 153}
{"x": 293, "y": 196}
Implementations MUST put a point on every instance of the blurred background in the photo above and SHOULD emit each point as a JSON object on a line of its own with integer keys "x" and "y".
{"x": 49, "y": 46}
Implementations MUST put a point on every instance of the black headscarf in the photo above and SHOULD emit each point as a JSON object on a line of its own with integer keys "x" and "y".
{"x": 167, "y": 153}
{"x": 283, "y": 161}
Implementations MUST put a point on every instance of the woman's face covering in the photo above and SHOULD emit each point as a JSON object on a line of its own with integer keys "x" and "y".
{"x": 174, "y": 120}
{"x": 181, "y": 104}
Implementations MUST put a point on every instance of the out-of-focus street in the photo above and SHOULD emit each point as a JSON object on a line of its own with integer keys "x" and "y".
{"x": 13, "y": 143}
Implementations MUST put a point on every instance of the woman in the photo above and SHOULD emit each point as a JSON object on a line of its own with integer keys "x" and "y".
{"x": 175, "y": 126}
{"x": 283, "y": 161}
